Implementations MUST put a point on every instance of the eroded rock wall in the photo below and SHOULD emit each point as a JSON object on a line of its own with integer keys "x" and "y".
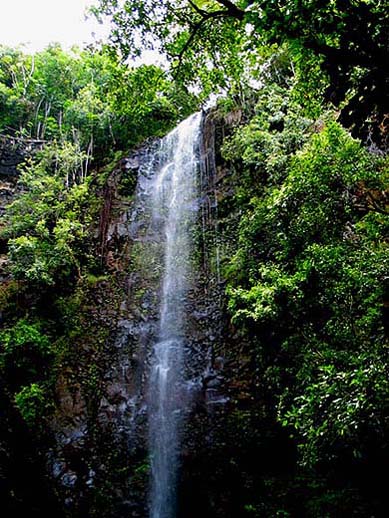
{"x": 99, "y": 459}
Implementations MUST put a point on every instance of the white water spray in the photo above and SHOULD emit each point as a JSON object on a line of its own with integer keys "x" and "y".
{"x": 174, "y": 211}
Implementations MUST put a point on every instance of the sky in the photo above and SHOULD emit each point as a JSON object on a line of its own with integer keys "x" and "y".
{"x": 36, "y": 23}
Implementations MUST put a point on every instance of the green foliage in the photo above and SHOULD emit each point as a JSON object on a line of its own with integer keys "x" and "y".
{"x": 338, "y": 46}
{"x": 25, "y": 353}
{"x": 341, "y": 405}
{"x": 265, "y": 145}
{"x": 88, "y": 98}
{"x": 311, "y": 266}
{"x": 31, "y": 401}
{"x": 47, "y": 224}
{"x": 310, "y": 81}
{"x": 24, "y": 335}
{"x": 209, "y": 51}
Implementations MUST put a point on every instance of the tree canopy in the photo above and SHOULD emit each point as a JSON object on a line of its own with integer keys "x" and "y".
{"x": 86, "y": 96}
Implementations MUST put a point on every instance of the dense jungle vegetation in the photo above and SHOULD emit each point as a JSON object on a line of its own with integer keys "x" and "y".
{"x": 305, "y": 224}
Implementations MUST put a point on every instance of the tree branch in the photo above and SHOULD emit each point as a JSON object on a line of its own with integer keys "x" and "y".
{"x": 232, "y": 9}
{"x": 195, "y": 29}
{"x": 197, "y": 8}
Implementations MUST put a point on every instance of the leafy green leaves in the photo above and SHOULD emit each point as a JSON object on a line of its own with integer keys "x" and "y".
{"x": 340, "y": 406}
{"x": 25, "y": 355}
{"x": 88, "y": 98}
{"x": 47, "y": 224}
{"x": 32, "y": 403}
{"x": 338, "y": 46}
{"x": 310, "y": 272}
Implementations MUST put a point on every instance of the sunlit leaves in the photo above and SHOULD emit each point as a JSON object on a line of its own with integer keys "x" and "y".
{"x": 89, "y": 98}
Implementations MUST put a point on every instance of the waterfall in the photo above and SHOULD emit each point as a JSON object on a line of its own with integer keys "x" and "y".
{"x": 173, "y": 216}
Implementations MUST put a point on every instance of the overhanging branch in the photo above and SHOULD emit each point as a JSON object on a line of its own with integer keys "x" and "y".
{"x": 232, "y": 9}
{"x": 194, "y": 31}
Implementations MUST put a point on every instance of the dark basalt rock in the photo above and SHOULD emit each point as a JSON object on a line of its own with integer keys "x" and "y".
{"x": 98, "y": 461}
{"x": 100, "y": 452}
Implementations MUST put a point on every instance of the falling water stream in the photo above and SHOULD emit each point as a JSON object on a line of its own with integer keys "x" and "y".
{"x": 174, "y": 212}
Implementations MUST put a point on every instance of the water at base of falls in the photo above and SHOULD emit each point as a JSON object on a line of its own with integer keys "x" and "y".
{"x": 174, "y": 208}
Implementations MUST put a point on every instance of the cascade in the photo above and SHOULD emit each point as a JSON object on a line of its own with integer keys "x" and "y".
{"x": 173, "y": 181}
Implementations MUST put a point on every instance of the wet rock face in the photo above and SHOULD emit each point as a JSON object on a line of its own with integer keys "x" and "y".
{"x": 12, "y": 153}
{"x": 100, "y": 458}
